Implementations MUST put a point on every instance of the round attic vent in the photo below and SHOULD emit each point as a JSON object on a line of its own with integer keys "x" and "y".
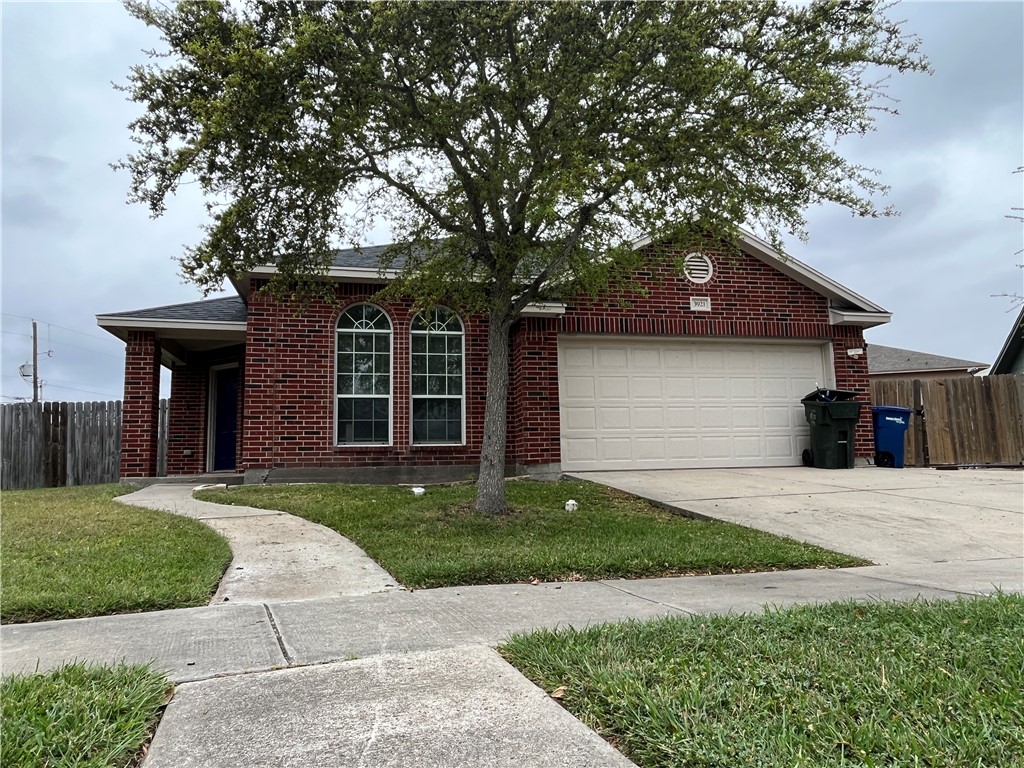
{"x": 698, "y": 268}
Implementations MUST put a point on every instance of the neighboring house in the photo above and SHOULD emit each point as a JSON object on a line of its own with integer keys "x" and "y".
{"x": 705, "y": 369}
{"x": 888, "y": 363}
{"x": 1011, "y": 357}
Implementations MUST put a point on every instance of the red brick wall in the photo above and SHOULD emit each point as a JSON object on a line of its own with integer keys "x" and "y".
{"x": 289, "y": 362}
{"x": 533, "y": 397}
{"x": 186, "y": 420}
{"x": 139, "y": 412}
{"x": 289, "y": 387}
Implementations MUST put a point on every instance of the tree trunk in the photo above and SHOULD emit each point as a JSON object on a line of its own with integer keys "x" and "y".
{"x": 490, "y": 485}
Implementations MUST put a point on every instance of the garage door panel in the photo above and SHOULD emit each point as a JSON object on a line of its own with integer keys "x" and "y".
{"x": 649, "y": 449}
{"x": 579, "y": 450}
{"x": 747, "y": 447}
{"x": 682, "y": 449}
{"x": 646, "y": 358}
{"x": 713, "y": 388}
{"x": 617, "y": 449}
{"x": 579, "y": 418}
{"x": 612, "y": 388}
{"x": 648, "y": 418}
{"x": 656, "y": 403}
{"x": 578, "y": 387}
{"x": 674, "y": 359}
{"x": 775, "y": 388}
{"x": 743, "y": 389}
{"x": 715, "y": 417}
{"x": 613, "y": 418}
{"x": 710, "y": 360}
{"x": 746, "y": 417}
{"x": 779, "y": 446}
{"x": 576, "y": 357}
{"x": 681, "y": 417}
{"x": 645, "y": 388}
{"x": 614, "y": 357}
{"x": 679, "y": 388}
{"x": 777, "y": 416}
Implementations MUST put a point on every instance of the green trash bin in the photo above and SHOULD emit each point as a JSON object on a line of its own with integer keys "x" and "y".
{"x": 833, "y": 419}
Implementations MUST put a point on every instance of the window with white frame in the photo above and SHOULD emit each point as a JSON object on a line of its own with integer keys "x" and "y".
{"x": 437, "y": 377}
{"x": 363, "y": 371}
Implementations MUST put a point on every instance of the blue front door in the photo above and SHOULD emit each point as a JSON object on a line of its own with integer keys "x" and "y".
{"x": 225, "y": 417}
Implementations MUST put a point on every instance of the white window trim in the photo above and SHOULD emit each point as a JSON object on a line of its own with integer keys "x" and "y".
{"x": 413, "y": 398}
{"x": 391, "y": 381}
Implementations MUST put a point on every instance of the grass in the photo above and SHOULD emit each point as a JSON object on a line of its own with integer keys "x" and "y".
{"x": 920, "y": 684}
{"x": 435, "y": 540}
{"x": 74, "y": 552}
{"x": 77, "y": 715}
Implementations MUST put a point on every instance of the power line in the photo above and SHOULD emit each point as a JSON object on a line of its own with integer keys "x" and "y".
{"x": 63, "y": 328}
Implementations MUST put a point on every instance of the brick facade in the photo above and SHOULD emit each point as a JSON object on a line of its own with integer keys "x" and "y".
{"x": 141, "y": 405}
{"x": 186, "y": 420}
{"x": 288, "y": 387}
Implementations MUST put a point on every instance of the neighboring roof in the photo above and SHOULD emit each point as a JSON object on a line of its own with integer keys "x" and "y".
{"x": 229, "y": 309}
{"x": 883, "y": 359}
{"x": 1012, "y": 348}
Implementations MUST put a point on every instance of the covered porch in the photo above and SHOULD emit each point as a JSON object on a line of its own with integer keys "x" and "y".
{"x": 203, "y": 346}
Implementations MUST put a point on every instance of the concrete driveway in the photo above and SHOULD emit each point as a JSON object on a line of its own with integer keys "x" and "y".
{"x": 883, "y": 515}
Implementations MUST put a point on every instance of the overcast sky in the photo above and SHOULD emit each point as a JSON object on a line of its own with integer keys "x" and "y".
{"x": 73, "y": 248}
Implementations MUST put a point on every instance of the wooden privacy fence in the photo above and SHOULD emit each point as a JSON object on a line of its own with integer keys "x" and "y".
{"x": 44, "y": 445}
{"x": 965, "y": 420}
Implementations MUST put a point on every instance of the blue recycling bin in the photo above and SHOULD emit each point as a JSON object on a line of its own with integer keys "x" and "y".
{"x": 890, "y": 422}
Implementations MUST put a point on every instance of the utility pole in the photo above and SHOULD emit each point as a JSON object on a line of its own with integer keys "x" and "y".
{"x": 35, "y": 363}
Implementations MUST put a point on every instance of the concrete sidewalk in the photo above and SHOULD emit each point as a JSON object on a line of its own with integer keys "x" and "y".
{"x": 198, "y": 643}
{"x": 397, "y": 678}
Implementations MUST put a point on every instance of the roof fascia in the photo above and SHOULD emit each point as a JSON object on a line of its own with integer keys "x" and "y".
{"x": 150, "y": 323}
{"x": 857, "y": 317}
{"x": 344, "y": 274}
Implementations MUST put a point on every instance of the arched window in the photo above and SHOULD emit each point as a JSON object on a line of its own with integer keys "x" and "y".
{"x": 437, "y": 377}
{"x": 363, "y": 408}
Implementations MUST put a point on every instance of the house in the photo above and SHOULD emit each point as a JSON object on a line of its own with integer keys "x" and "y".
{"x": 1011, "y": 357}
{"x": 704, "y": 368}
{"x": 888, "y": 363}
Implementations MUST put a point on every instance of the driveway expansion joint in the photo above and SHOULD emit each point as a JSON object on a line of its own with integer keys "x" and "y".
{"x": 670, "y": 606}
{"x": 289, "y": 659}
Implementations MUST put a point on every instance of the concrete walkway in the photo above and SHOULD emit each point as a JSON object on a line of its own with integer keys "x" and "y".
{"x": 276, "y": 556}
{"x": 398, "y": 678}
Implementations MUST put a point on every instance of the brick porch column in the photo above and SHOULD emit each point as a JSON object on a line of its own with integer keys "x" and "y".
{"x": 140, "y": 413}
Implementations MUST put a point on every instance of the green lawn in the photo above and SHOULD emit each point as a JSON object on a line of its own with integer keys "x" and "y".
{"x": 88, "y": 717}
{"x": 924, "y": 684}
{"x": 436, "y": 540}
{"x": 72, "y": 552}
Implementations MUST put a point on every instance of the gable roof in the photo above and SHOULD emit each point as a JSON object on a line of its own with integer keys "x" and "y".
{"x": 846, "y": 306}
{"x": 882, "y": 359}
{"x": 1012, "y": 347}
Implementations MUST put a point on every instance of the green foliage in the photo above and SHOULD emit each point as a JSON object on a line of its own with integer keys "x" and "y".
{"x": 82, "y": 716}
{"x": 74, "y": 552}
{"x": 846, "y": 684}
{"x": 506, "y": 143}
{"x": 435, "y": 540}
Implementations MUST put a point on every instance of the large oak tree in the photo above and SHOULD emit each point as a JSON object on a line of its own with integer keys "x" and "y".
{"x": 517, "y": 149}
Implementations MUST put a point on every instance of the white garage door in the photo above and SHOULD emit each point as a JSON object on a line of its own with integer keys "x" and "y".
{"x": 656, "y": 404}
